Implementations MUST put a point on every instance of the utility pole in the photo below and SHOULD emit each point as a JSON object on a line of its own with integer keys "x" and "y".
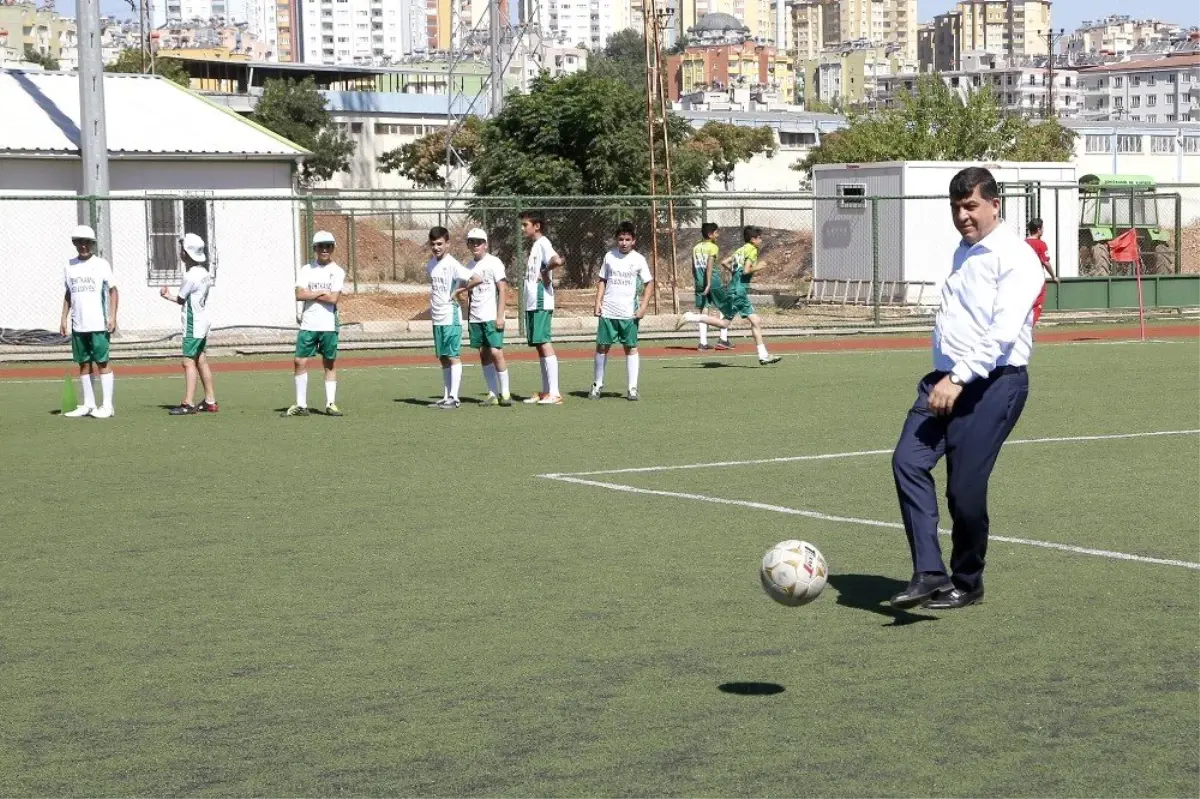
{"x": 93, "y": 139}
{"x": 497, "y": 10}
{"x": 661, "y": 20}
{"x": 1051, "y": 36}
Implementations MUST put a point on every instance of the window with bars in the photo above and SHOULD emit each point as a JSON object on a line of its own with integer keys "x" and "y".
{"x": 167, "y": 220}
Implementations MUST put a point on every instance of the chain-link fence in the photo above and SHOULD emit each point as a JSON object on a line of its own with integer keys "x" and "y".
{"x": 827, "y": 260}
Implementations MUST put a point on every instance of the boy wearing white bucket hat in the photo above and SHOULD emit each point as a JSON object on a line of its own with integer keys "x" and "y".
{"x": 89, "y": 313}
{"x": 319, "y": 286}
{"x": 193, "y": 296}
{"x": 486, "y": 317}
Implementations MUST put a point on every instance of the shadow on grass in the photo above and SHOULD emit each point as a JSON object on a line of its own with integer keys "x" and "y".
{"x": 711, "y": 365}
{"x": 603, "y": 394}
{"x": 870, "y": 592}
{"x": 422, "y": 402}
{"x": 751, "y": 688}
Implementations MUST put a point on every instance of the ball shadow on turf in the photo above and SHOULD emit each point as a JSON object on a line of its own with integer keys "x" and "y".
{"x": 870, "y": 592}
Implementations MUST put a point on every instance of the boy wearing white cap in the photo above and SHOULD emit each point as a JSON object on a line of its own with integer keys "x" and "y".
{"x": 318, "y": 285}
{"x": 89, "y": 311}
{"x": 486, "y": 317}
{"x": 193, "y": 296}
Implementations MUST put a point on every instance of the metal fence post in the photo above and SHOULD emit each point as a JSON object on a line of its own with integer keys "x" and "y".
{"x": 704, "y": 209}
{"x": 309, "y": 223}
{"x": 94, "y": 221}
{"x": 393, "y": 233}
{"x": 1058, "y": 234}
{"x": 353, "y": 251}
{"x": 1178, "y": 234}
{"x": 519, "y": 249}
{"x": 742, "y": 217}
{"x": 875, "y": 257}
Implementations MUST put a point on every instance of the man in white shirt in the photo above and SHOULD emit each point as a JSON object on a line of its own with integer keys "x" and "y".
{"x": 319, "y": 286}
{"x": 968, "y": 405}
{"x": 89, "y": 312}
{"x": 193, "y": 296}
{"x": 448, "y": 281}
{"x": 622, "y": 296}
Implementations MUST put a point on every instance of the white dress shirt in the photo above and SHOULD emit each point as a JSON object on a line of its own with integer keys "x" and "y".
{"x": 986, "y": 317}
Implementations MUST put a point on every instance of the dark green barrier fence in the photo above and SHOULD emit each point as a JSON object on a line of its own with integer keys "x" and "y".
{"x": 1099, "y": 293}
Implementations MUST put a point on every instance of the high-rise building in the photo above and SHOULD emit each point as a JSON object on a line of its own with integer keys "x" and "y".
{"x": 1013, "y": 29}
{"x": 817, "y": 25}
{"x": 361, "y": 31}
{"x": 1117, "y": 35}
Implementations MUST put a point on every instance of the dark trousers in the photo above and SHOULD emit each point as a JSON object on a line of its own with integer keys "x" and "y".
{"x": 970, "y": 437}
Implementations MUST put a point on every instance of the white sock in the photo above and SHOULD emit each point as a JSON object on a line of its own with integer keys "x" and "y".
{"x": 106, "y": 383}
{"x": 330, "y": 391}
{"x": 545, "y": 375}
{"x": 489, "y": 377}
{"x": 703, "y": 335}
{"x": 552, "y": 375}
{"x": 725, "y": 335}
{"x": 600, "y": 359}
{"x": 632, "y": 361}
{"x": 455, "y": 379}
{"x": 762, "y": 352}
{"x": 302, "y": 390}
{"x": 89, "y": 391}
{"x": 503, "y": 378}
{"x": 445, "y": 383}
{"x": 691, "y": 317}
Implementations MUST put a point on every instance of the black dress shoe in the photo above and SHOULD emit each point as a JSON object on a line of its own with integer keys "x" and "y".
{"x": 922, "y": 587}
{"x": 955, "y": 598}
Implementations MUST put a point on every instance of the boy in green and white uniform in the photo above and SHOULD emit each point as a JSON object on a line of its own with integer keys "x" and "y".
{"x": 710, "y": 291}
{"x": 319, "y": 286}
{"x": 448, "y": 281}
{"x": 193, "y": 296}
{"x": 539, "y": 304}
{"x": 89, "y": 313}
{"x": 622, "y": 296}
{"x": 486, "y": 316}
{"x": 742, "y": 264}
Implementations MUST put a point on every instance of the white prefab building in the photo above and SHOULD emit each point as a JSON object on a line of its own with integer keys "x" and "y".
{"x": 178, "y": 164}
{"x": 915, "y": 234}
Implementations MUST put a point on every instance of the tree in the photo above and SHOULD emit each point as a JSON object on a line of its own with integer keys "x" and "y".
{"x": 130, "y": 62}
{"x": 424, "y": 160}
{"x": 932, "y": 123}
{"x": 728, "y": 145}
{"x": 44, "y": 60}
{"x": 296, "y": 110}
{"x": 623, "y": 59}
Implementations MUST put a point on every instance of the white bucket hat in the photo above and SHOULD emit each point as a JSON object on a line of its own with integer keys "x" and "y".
{"x": 83, "y": 232}
{"x": 193, "y": 245}
{"x": 476, "y": 233}
{"x": 322, "y": 237}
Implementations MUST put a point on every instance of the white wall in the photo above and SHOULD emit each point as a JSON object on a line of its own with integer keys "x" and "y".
{"x": 256, "y": 242}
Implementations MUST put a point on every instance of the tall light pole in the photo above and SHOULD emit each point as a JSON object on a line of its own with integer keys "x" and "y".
{"x": 93, "y": 138}
{"x": 1051, "y": 36}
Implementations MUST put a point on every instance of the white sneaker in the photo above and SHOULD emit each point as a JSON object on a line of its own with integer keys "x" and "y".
{"x": 103, "y": 412}
{"x": 82, "y": 410}
{"x": 595, "y": 392}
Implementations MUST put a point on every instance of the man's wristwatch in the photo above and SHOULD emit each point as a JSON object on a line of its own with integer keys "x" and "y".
{"x": 956, "y": 380}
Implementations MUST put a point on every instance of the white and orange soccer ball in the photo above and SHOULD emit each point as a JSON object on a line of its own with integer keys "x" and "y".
{"x": 793, "y": 572}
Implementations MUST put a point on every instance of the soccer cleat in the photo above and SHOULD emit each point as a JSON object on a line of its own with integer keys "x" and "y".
{"x": 490, "y": 401}
{"x": 535, "y": 399}
{"x": 183, "y": 409}
{"x": 207, "y": 407}
{"x": 770, "y": 360}
{"x": 703, "y": 347}
{"x": 724, "y": 345}
{"x": 632, "y": 396}
{"x": 332, "y": 410}
{"x": 296, "y": 410}
{"x": 449, "y": 404}
{"x": 506, "y": 401}
{"x": 595, "y": 392}
{"x": 551, "y": 399}
{"x": 103, "y": 412}
{"x": 82, "y": 410}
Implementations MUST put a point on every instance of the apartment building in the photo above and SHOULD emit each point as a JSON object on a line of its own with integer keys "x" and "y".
{"x": 1158, "y": 90}
{"x": 1116, "y": 35}
{"x": 1013, "y": 29}
{"x": 1022, "y": 90}
{"x": 817, "y": 25}
{"x": 28, "y": 27}
{"x": 850, "y": 75}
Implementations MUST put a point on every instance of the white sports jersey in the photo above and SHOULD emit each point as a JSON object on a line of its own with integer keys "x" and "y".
{"x": 88, "y": 282}
{"x": 490, "y": 270}
{"x": 538, "y": 295}
{"x": 624, "y": 277}
{"x": 445, "y": 276}
{"x": 320, "y": 317}
{"x": 197, "y": 283}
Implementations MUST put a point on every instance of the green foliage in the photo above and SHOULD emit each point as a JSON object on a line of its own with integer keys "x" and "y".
{"x": 423, "y": 161}
{"x": 130, "y": 62}
{"x": 44, "y": 60}
{"x": 727, "y": 145}
{"x": 932, "y": 123}
{"x": 623, "y": 59}
{"x": 296, "y": 111}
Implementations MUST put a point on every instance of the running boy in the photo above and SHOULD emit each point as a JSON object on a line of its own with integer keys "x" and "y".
{"x": 448, "y": 281}
{"x": 485, "y": 317}
{"x": 743, "y": 264}
{"x": 710, "y": 291}
{"x": 1034, "y": 240}
{"x": 539, "y": 304}
{"x": 319, "y": 286}
{"x": 193, "y": 296}
{"x": 623, "y": 277}
{"x": 89, "y": 312}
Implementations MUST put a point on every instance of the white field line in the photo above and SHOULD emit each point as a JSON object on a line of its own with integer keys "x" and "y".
{"x": 855, "y": 454}
{"x": 1102, "y": 553}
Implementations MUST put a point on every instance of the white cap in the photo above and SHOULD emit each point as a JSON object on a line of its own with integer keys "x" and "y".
{"x": 322, "y": 237}
{"x": 193, "y": 245}
{"x": 476, "y": 233}
{"x": 83, "y": 232}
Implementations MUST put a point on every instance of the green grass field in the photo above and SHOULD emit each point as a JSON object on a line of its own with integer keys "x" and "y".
{"x": 395, "y": 603}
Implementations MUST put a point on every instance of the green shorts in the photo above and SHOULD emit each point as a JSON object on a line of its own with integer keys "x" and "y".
{"x": 617, "y": 331}
{"x": 311, "y": 342}
{"x": 537, "y": 327}
{"x": 736, "y": 305}
{"x": 89, "y": 347}
{"x": 485, "y": 334}
{"x": 447, "y": 340}
{"x": 714, "y": 298}
{"x": 194, "y": 347}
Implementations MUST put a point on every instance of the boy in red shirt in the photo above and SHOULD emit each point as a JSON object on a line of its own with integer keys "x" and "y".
{"x": 1034, "y": 240}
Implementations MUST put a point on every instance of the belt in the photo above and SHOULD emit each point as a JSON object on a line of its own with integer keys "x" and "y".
{"x": 1007, "y": 370}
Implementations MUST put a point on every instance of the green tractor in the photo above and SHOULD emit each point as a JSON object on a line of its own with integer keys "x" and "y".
{"x": 1109, "y": 205}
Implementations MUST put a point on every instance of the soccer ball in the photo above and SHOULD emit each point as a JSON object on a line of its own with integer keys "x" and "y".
{"x": 793, "y": 572}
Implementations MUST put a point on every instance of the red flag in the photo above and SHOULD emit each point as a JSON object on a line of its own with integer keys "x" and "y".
{"x": 1124, "y": 248}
